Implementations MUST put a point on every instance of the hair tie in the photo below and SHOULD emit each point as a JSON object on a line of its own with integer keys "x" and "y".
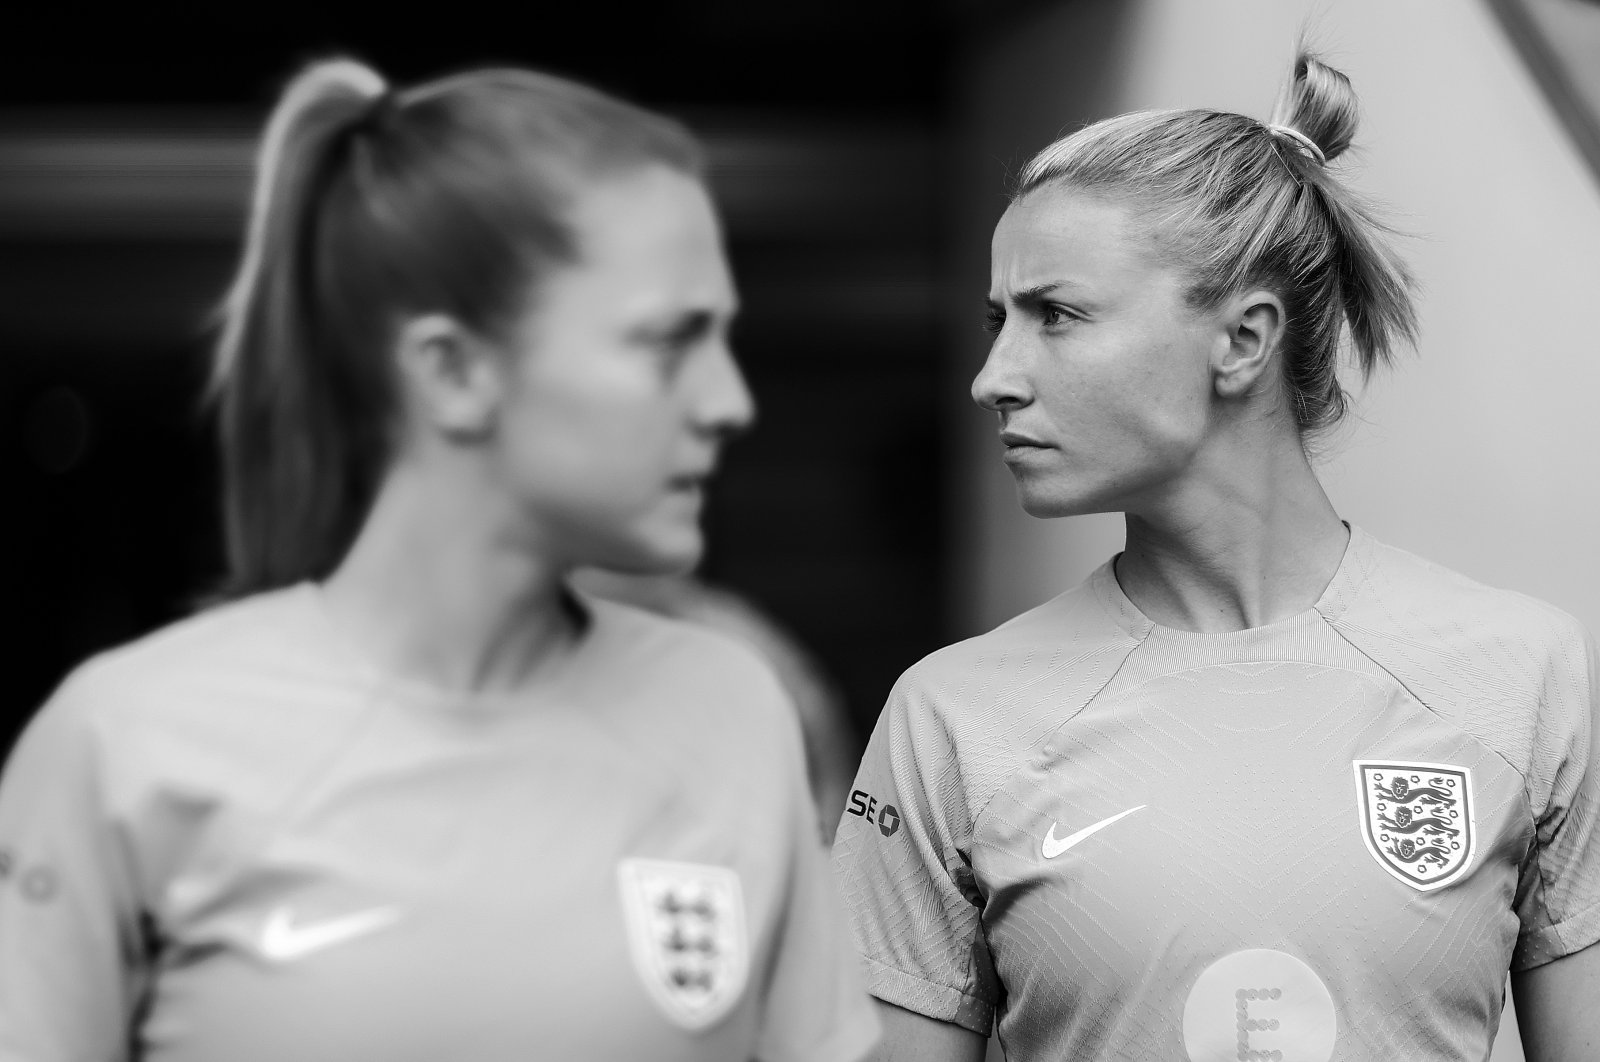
{"x": 1304, "y": 141}
{"x": 378, "y": 113}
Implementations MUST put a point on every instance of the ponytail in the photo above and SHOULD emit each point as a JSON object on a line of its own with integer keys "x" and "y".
{"x": 1246, "y": 204}
{"x": 1372, "y": 283}
{"x": 297, "y": 478}
{"x": 370, "y": 205}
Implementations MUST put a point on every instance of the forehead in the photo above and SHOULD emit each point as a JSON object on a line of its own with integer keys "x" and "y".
{"x": 1054, "y": 233}
{"x": 651, "y": 240}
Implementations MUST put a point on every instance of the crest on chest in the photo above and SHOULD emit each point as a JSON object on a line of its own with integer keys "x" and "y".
{"x": 686, "y": 932}
{"x": 1417, "y": 819}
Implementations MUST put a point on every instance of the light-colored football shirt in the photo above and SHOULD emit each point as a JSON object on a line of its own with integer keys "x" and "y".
{"x": 233, "y": 840}
{"x": 1324, "y": 839}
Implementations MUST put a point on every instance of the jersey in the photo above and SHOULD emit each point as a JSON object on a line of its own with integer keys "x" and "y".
{"x": 1324, "y": 839}
{"x": 235, "y": 840}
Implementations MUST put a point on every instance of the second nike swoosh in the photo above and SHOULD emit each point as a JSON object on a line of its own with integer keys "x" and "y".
{"x": 282, "y": 939}
{"x": 1054, "y": 846}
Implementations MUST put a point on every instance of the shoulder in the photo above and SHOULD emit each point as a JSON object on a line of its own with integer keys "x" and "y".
{"x": 1405, "y": 597}
{"x": 1068, "y": 634}
{"x": 178, "y": 682}
{"x": 666, "y": 647}
{"x": 991, "y": 697}
{"x": 1512, "y": 670}
{"x": 213, "y": 648}
{"x": 684, "y": 669}
{"x": 691, "y": 703}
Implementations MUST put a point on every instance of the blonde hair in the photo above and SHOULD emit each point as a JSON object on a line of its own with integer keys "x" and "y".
{"x": 1245, "y": 204}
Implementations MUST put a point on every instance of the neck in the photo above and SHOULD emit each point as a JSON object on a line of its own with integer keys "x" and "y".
{"x": 433, "y": 590}
{"x": 1242, "y": 542}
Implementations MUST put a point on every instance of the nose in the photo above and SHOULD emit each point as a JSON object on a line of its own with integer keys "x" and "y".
{"x": 1001, "y": 385}
{"x": 725, "y": 406}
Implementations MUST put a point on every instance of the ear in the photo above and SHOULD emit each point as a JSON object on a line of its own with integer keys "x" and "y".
{"x": 1254, "y": 323}
{"x": 451, "y": 375}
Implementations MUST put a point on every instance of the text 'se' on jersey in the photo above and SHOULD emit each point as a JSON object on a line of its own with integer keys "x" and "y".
{"x": 1324, "y": 839}
{"x": 233, "y": 840}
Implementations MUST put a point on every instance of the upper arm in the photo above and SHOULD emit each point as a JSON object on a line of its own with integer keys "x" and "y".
{"x": 1556, "y": 1009}
{"x": 1555, "y": 976}
{"x": 912, "y": 1037}
{"x": 69, "y": 935}
{"x": 908, "y": 886}
{"x": 1559, "y": 900}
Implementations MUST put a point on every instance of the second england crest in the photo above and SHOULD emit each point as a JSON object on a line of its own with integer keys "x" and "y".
{"x": 1417, "y": 819}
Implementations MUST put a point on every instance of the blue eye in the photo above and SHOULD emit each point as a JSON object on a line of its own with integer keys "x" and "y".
{"x": 993, "y": 321}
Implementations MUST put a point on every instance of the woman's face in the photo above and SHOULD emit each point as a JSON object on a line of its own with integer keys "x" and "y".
{"x": 1100, "y": 372}
{"x": 623, "y": 388}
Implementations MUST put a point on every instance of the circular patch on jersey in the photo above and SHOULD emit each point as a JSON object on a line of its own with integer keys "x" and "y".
{"x": 1259, "y": 1005}
{"x": 686, "y": 930}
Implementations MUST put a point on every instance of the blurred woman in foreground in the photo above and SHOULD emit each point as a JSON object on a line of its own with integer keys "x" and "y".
{"x": 408, "y": 796}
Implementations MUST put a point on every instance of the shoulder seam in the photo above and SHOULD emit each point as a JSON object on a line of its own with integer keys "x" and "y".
{"x": 1519, "y": 772}
{"x": 1026, "y": 759}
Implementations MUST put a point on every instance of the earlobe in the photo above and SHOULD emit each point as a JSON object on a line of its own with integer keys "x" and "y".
{"x": 451, "y": 378}
{"x": 1254, "y": 325}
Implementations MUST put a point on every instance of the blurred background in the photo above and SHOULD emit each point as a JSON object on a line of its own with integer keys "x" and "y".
{"x": 860, "y": 152}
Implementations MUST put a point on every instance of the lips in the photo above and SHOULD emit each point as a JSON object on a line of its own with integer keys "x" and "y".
{"x": 1014, "y": 440}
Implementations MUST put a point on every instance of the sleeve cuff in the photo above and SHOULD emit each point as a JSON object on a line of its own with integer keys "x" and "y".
{"x": 931, "y": 1000}
{"x": 1549, "y": 943}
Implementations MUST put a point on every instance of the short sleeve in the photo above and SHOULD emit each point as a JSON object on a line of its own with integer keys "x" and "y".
{"x": 1559, "y": 903}
{"x": 902, "y": 858}
{"x": 816, "y": 1008}
{"x": 69, "y": 939}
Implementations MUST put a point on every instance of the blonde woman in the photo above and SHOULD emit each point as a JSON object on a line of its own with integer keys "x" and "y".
{"x": 1262, "y": 787}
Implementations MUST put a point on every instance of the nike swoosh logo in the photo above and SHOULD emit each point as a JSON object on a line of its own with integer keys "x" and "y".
{"x": 283, "y": 940}
{"x": 1054, "y": 846}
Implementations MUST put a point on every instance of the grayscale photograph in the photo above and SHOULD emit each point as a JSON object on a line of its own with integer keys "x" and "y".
{"x": 961, "y": 531}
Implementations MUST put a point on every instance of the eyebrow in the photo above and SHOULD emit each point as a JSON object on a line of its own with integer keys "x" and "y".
{"x": 1029, "y": 296}
{"x": 689, "y": 324}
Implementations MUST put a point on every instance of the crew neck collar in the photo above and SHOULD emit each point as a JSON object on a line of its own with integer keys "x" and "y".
{"x": 1330, "y": 604}
{"x": 554, "y": 675}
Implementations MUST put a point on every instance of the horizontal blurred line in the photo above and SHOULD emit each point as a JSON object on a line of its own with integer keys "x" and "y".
{"x": 90, "y": 292}
{"x": 62, "y": 177}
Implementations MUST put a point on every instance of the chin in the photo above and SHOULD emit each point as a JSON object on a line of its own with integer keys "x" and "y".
{"x": 677, "y": 554}
{"x": 1053, "y": 505}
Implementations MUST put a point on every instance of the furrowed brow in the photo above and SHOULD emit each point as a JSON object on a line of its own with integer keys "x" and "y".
{"x": 1035, "y": 294}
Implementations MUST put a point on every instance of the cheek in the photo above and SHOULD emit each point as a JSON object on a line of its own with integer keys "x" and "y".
{"x": 1129, "y": 416}
{"x": 1163, "y": 394}
{"x": 599, "y": 451}
{"x": 1174, "y": 418}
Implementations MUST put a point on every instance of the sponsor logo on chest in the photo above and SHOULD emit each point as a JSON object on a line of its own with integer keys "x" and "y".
{"x": 1417, "y": 819}
{"x": 687, "y": 935}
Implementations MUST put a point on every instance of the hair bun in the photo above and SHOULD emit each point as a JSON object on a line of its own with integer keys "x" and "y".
{"x": 1317, "y": 103}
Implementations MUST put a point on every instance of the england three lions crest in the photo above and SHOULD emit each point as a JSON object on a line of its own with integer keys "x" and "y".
{"x": 1417, "y": 819}
{"x": 686, "y": 930}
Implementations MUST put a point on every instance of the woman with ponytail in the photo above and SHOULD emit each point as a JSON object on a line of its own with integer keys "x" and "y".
{"x": 405, "y": 795}
{"x": 1261, "y": 787}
